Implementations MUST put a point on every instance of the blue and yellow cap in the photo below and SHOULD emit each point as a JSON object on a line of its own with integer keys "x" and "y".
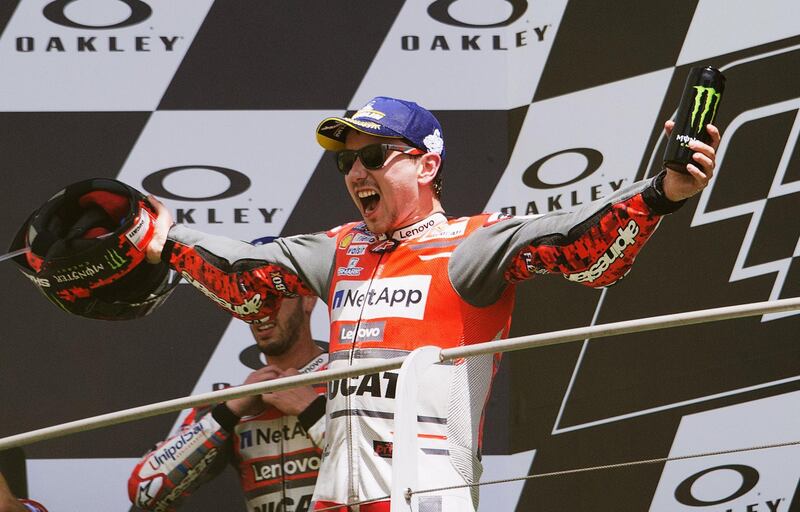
{"x": 385, "y": 117}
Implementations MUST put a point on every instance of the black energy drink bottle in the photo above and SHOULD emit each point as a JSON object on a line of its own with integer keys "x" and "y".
{"x": 698, "y": 107}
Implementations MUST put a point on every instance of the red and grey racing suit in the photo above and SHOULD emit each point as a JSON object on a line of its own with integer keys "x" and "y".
{"x": 445, "y": 282}
{"x": 277, "y": 456}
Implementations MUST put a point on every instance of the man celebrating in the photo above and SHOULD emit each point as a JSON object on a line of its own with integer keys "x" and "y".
{"x": 273, "y": 439}
{"x": 408, "y": 276}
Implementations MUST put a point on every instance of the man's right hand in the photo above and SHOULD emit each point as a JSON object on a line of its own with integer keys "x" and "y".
{"x": 162, "y": 225}
{"x": 254, "y": 404}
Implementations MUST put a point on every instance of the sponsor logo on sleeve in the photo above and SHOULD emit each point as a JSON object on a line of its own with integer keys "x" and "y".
{"x": 626, "y": 238}
{"x": 169, "y": 454}
{"x": 527, "y": 257}
{"x": 392, "y": 297}
{"x": 248, "y": 307}
{"x": 148, "y": 490}
{"x": 280, "y": 284}
{"x": 192, "y": 474}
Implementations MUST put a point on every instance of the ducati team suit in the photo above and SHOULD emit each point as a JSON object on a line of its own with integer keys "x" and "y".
{"x": 441, "y": 281}
{"x": 277, "y": 456}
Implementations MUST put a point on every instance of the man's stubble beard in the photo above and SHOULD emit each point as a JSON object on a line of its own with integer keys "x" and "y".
{"x": 287, "y": 335}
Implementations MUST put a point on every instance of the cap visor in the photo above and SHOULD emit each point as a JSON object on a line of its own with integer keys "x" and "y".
{"x": 332, "y": 131}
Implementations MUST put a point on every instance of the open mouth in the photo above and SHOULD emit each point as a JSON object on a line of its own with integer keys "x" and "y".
{"x": 263, "y": 329}
{"x": 369, "y": 200}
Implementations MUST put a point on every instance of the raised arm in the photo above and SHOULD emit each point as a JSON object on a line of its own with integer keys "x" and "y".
{"x": 248, "y": 281}
{"x": 176, "y": 467}
{"x": 594, "y": 245}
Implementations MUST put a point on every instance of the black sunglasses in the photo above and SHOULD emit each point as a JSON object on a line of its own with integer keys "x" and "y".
{"x": 373, "y": 156}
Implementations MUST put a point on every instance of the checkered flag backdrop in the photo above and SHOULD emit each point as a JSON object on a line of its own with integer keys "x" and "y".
{"x": 545, "y": 104}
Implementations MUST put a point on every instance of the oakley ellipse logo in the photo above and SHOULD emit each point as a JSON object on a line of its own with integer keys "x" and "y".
{"x": 56, "y": 12}
{"x": 531, "y": 175}
{"x": 441, "y": 11}
{"x": 748, "y": 474}
{"x": 154, "y": 183}
{"x": 251, "y": 357}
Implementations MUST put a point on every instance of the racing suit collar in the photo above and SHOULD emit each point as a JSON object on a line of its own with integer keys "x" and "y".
{"x": 419, "y": 228}
{"x": 315, "y": 363}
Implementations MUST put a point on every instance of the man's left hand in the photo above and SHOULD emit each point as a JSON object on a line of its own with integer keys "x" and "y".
{"x": 679, "y": 186}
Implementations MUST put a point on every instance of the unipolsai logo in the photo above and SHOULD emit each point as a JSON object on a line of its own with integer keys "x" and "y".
{"x": 97, "y": 17}
{"x": 495, "y": 25}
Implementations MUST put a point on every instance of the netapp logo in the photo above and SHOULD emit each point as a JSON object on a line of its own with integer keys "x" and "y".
{"x": 393, "y": 297}
{"x": 185, "y": 176}
{"x": 63, "y": 12}
{"x": 685, "y": 493}
{"x": 460, "y": 14}
{"x": 532, "y": 178}
{"x": 270, "y": 435}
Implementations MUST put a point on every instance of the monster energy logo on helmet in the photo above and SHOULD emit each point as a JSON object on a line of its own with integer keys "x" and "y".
{"x": 114, "y": 260}
{"x": 712, "y": 98}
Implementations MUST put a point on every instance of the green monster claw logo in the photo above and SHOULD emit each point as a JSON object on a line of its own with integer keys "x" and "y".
{"x": 114, "y": 260}
{"x": 712, "y": 96}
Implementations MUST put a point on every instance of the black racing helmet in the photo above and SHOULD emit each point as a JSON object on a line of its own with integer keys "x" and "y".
{"x": 86, "y": 251}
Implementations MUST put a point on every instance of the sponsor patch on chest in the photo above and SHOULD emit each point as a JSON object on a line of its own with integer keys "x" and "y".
{"x": 392, "y": 297}
{"x": 445, "y": 230}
